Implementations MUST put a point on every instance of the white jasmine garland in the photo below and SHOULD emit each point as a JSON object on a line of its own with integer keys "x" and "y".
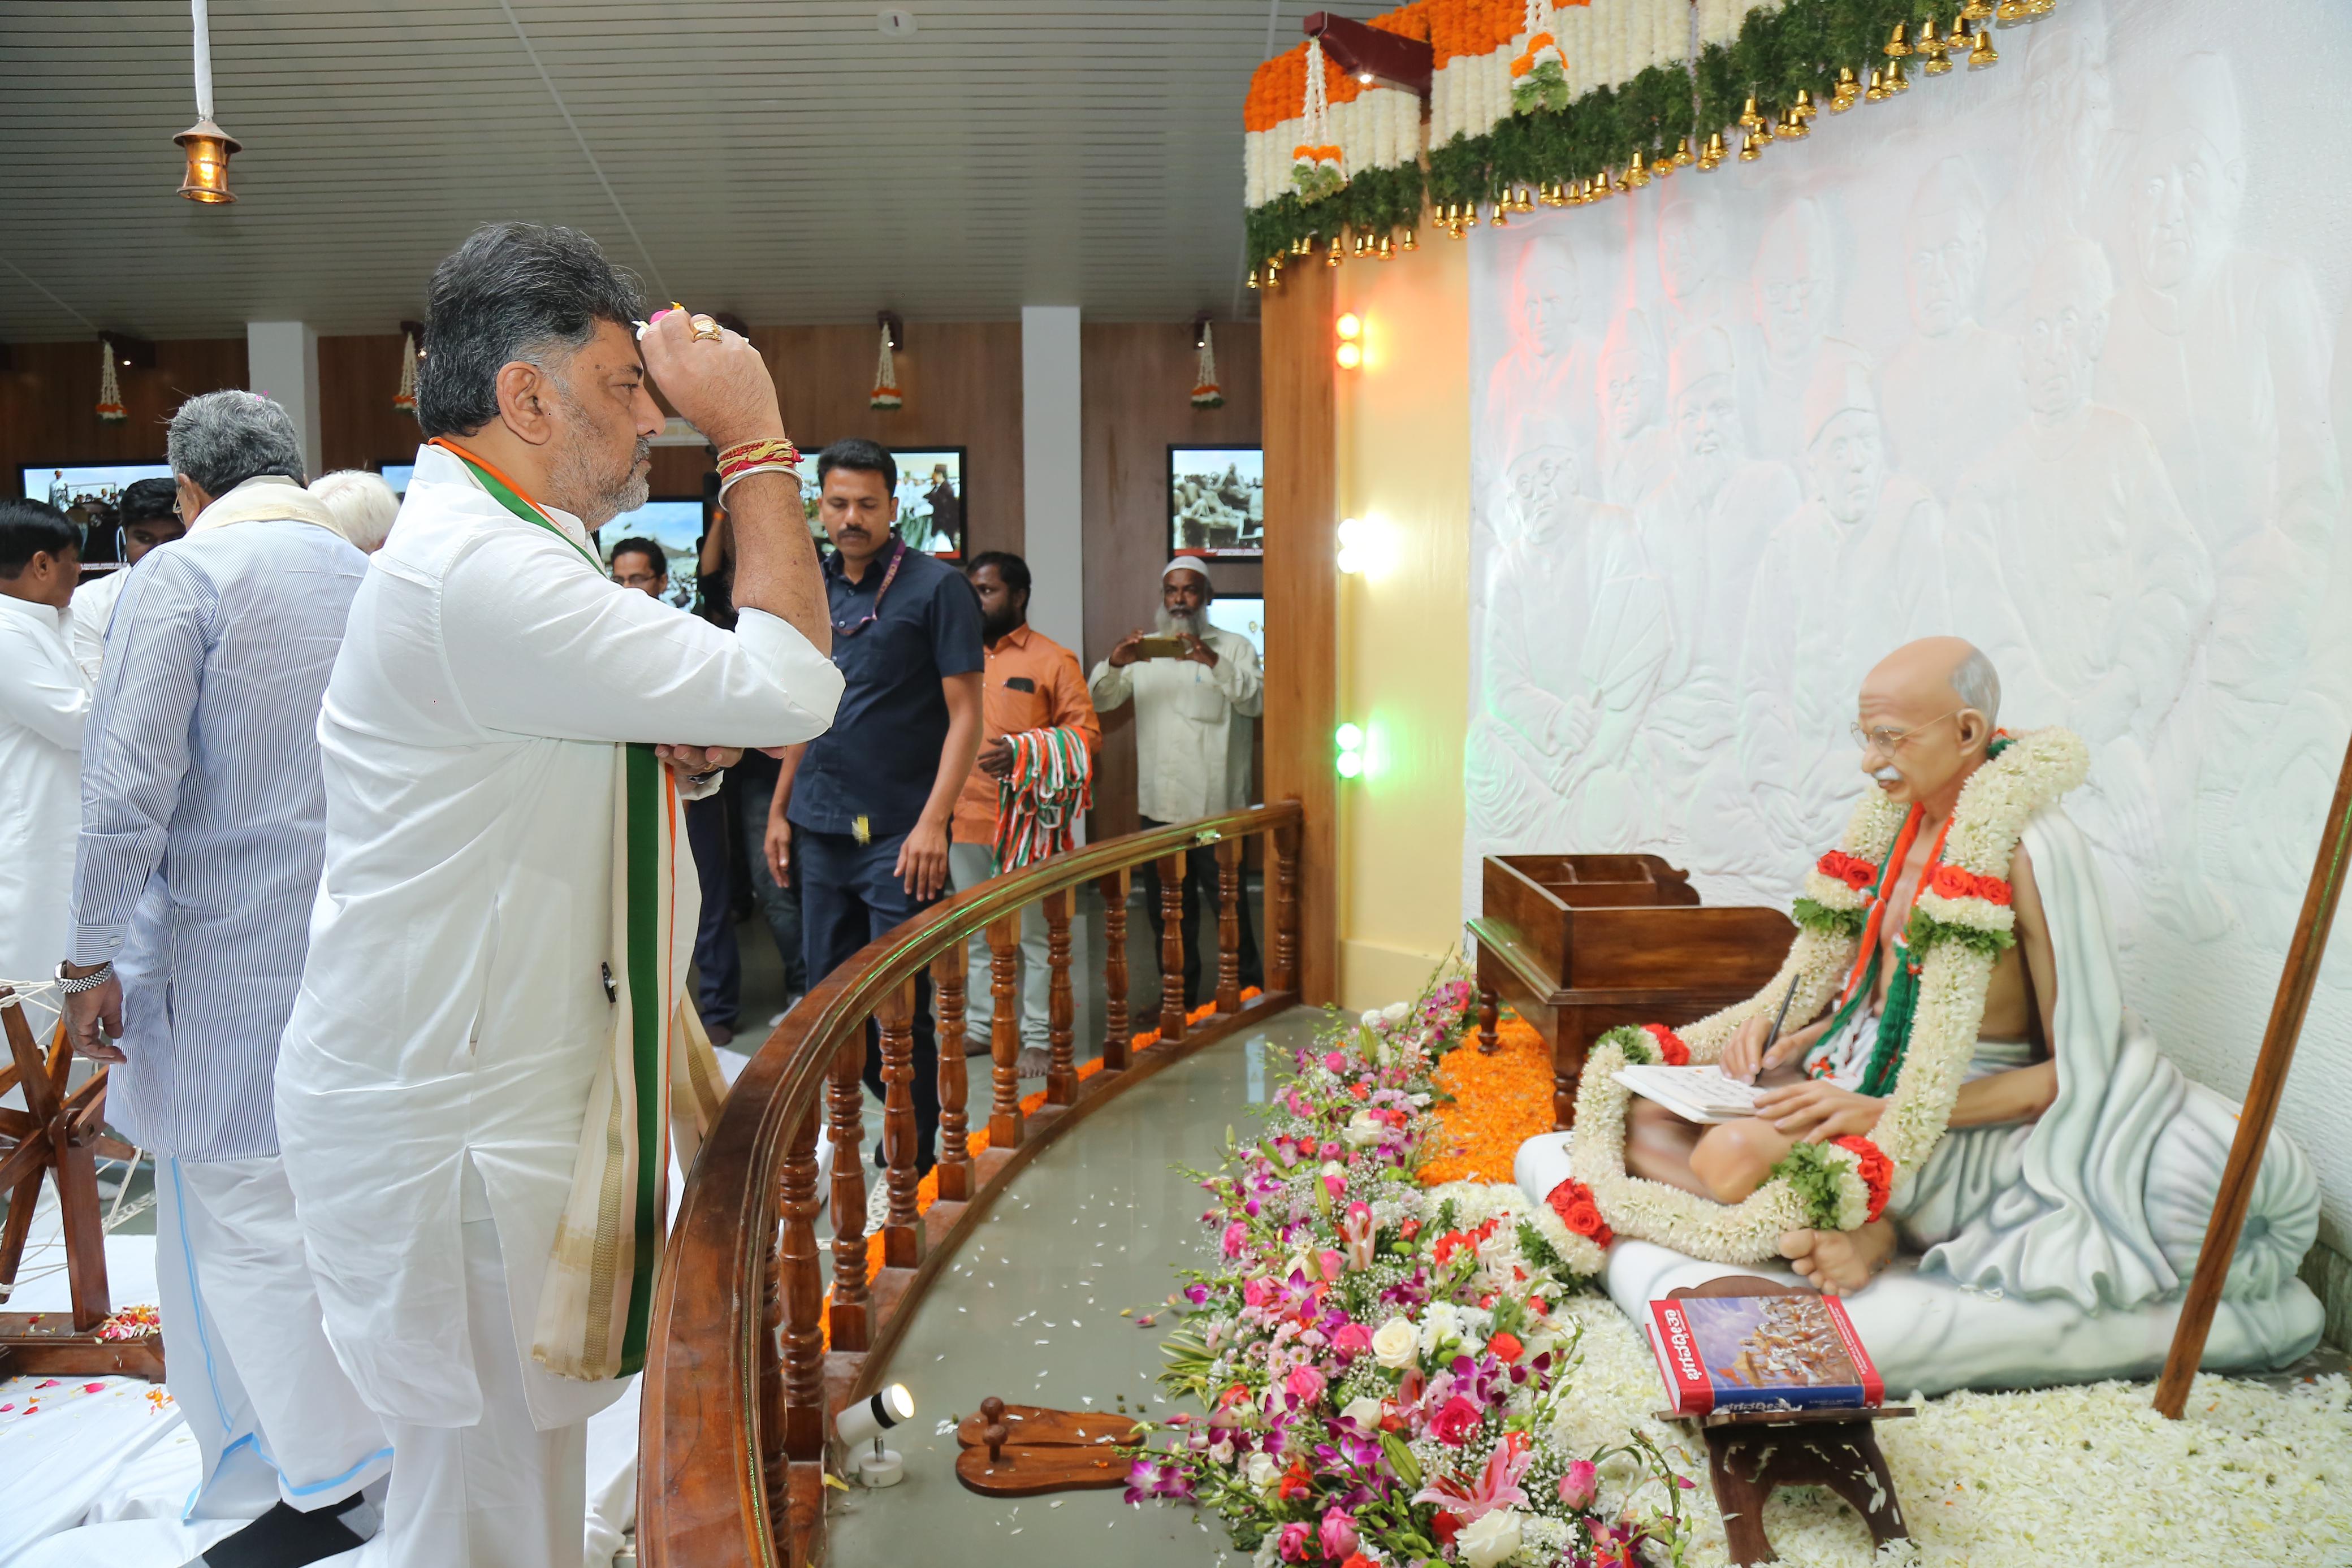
{"x": 2036, "y": 770}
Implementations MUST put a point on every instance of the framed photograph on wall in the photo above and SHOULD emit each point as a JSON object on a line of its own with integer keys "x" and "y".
{"x": 932, "y": 491}
{"x": 66, "y": 486}
{"x": 1216, "y": 502}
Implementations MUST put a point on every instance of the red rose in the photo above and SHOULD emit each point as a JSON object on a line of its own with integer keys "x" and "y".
{"x": 1445, "y": 1527}
{"x": 1950, "y": 881}
{"x": 1876, "y": 1171}
{"x": 1456, "y": 1424}
{"x": 1507, "y": 1347}
{"x": 1295, "y": 1483}
{"x": 1993, "y": 890}
{"x": 1855, "y": 872}
{"x": 1671, "y": 1049}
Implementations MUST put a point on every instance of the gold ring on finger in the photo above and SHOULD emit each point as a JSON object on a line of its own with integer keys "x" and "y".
{"x": 706, "y": 329}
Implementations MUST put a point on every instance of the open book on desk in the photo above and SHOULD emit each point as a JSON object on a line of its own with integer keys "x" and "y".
{"x": 1701, "y": 1094}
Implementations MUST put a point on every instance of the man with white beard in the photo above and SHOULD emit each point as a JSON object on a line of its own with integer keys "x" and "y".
{"x": 2073, "y": 161}
{"x": 1636, "y": 449}
{"x": 2071, "y": 555}
{"x": 1857, "y": 570}
{"x": 1540, "y": 393}
{"x": 1954, "y": 385}
{"x": 1705, "y": 527}
{"x": 1573, "y": 638}
{"x": 1796, "y": 308}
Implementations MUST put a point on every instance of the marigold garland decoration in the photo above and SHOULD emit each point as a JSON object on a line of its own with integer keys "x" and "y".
{"x": 886, "y": 378}
{"x": 1206, "y": 393}
{"x": 404, "y": 400}
{"x": 110, "y": 392}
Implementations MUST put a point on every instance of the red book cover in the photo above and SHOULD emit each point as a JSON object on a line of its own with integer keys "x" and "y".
{"x": 1761, "y": 1352}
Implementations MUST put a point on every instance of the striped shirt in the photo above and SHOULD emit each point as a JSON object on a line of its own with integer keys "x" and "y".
{"x": 204, "y": 823}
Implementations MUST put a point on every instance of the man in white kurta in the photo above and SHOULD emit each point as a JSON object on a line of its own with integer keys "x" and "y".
{"x": 43, "y": 703}
{"x": 456, "y": 1007}
{"x": 150, "y": 512}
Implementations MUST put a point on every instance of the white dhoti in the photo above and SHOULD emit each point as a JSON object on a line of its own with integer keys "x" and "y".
{"x": 272, "y": 1412}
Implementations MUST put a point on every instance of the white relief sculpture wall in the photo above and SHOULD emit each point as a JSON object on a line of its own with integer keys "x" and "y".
{"x": 2055, "y": 356}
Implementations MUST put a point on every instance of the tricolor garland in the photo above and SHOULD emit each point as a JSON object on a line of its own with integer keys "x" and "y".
{"x": 1539, "y": 74}
{"x": 1206, "y": 393}
{"x": 404, "y": 400}
{"x": 886, "y": 378}
{"x": 1038, "y": 804}
{"x": 109, "y": 391}
{"x": 1960, "y": 921}
{"x": 1316, "y": 168}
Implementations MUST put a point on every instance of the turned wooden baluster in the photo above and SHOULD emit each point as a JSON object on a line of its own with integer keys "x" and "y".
{"x": 1489, "y": 1015}
{"x": 955, "y": 1085}
{"x": 1004, "y": 1119}
{"x": 802, "y": 1288}
{"x": 1061, "y": 1010}
{"x": 1285, "y": 975}
{"x": 1229, "y": 925}
{"x": 901, "y": 1238}
{"x": 1173, "y": 936}
{"x": 847, "y": 1104}
{"x": 1114, "y": 1024}
{"x": 774, "y": 1446}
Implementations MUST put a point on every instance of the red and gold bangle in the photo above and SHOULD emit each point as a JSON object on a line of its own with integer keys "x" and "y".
{"x": 745, "y": 455}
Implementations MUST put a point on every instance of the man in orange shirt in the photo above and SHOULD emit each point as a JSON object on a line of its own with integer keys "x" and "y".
{"x": 1031, "y": 682}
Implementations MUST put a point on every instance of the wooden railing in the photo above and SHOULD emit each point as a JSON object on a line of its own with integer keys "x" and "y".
{"x": 747, "y": 1359}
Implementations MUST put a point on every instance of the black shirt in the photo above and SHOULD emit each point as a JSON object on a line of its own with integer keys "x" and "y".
{"x": 881, "y": 756}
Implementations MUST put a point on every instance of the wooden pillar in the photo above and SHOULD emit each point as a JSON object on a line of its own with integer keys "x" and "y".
{"x": 802, "y": 1288}
{"x": 1114, "y": 1024}
{"x": 1302, "y": 582}
{"x": 847, "y": 1314}
{"x": 1005, "y": 1121}
{"x": 901, "y": 1240}
{"x": 1061, "y": 1016}
{"x": 1284, "y": 973}
{"x": 1489, "y": 1015}
{"x": 948, "y": 977}
{"x": 1173, "y": 936}
{"x": 1229, "y": 924}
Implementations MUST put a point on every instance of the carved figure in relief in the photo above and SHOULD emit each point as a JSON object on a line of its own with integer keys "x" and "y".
{"x": 2073, "y": 562}
{"x": 1694, "y": 262}
{"x": 1796, "y": 309}
{"x": 1561, "y": 696}
{"x": 1636, "y": 449}
{"x": 1856, "y": 569}
{"x": 1540, "y": 393}
{"x": 1954, "y": 384}
{"x": 2070, "y": 1185}
{"x": 2072, "y": 169}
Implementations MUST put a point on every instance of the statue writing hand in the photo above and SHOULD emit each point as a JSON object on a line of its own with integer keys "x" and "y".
{"x": 1817, "y": 1111}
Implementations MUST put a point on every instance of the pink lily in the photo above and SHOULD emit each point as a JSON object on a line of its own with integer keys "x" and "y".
{"x": 1497, "y": 1487}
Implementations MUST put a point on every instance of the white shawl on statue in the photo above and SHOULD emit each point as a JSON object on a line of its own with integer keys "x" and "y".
{"x": 2103, "y": 1200}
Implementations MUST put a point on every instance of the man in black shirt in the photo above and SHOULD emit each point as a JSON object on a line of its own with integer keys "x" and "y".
{"x": 861, "y": 815}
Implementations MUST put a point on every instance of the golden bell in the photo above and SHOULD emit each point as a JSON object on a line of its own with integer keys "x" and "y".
{"x": 1791, "y": 129}
{"x": 1896, "y": 46}
{"x": 209, "y": 148}
{"x": 1501, "y": 218}
{"x": 2010, "y": 13}
{"x": 1685, "y": 156}
{"x": 1896, "y": 81}
{"x": 1637, "y": 176}
{"x": 1412, "y": 241}
{"x": 1302, "y": 245}
{"x": 1661, "y": 167}
{"x": 1252, "y": 280}
{"x": 1975, "y": 10}
{"x": 1751, "y": 149}
{"x": 1523, "y": 200}
{"x": 1984, "y": 57}
{"x": 1749, "y": 118}
{"x": 1874, "y": 93}
{"x": 1387, "y": 251}
{"x": 1336, "y": 254}
{"x": 1938, "y": 50}
{"x": 2043, "y": 8}
{"x": 1848, "y": 89}
{"x": 1713, "y": 157}
{"x": 1805, "y": 108}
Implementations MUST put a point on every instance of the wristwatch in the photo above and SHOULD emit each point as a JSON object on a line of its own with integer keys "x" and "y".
{"x": 88, "y": 982}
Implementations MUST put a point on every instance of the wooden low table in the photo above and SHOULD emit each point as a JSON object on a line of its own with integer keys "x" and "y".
{"x": 1581, "y": 944}
{"x": 1750, "y": 1454}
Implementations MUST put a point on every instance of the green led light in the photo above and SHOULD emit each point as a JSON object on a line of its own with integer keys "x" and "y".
{"x": 1350, "y": 737}
{"x": 1351, "y": 764}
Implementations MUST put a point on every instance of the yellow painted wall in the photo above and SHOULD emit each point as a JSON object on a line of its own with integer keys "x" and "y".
{"x": 1403, "y": 453}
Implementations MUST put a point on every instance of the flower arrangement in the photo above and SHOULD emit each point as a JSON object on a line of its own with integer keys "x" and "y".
{"x": 1385, "y": 1369}
{"x": 1959, "y": 925}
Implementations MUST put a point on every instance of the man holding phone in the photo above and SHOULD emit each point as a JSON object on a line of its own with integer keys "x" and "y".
{"x": 1196, "y": 689}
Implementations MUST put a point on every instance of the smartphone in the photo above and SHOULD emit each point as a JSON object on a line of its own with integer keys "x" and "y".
{"x": 1159, "y": 648}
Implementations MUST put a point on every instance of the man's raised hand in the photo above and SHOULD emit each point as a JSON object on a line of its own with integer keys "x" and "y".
{"x": 722, "y": 388}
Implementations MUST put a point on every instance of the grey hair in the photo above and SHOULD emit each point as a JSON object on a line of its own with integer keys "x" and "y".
{"x": 362, "y": 504}
{"x": 512, "y": 291}
{"x": 1976, "y": 683}
{"x": 222, "y": 439}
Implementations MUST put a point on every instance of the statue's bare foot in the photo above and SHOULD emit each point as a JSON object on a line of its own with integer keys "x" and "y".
{"x": 1836, "y": 1261}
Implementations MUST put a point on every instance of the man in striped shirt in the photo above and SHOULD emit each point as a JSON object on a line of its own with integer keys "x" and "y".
{"x": 203, "y": 831}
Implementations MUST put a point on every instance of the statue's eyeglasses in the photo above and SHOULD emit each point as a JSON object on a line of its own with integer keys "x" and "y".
{"x": 1887, "y": 741}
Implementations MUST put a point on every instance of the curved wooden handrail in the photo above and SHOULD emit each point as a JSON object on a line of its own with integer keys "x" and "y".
{"x": 720, "y": 1419}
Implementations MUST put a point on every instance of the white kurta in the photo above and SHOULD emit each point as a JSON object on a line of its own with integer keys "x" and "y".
{"x": 44, "y": 702}
{"x": 1192, "y": 727}
{"x": 93, "y": 608}
{"x": 453, "y": 1007}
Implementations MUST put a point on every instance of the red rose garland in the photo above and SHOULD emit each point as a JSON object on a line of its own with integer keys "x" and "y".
{"x": 1852, "y": 870}
{"x": 1572, "y": 1201}
{"x": 1876, "y": 1171}
{"x": 1957, "y": 882}
{"x": 1671, "y": 1049}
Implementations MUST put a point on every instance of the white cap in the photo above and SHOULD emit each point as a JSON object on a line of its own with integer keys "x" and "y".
{"x": 1189, "y": 563}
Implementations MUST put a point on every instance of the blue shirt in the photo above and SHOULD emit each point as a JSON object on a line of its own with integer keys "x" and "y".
{"x": 204, "y": 823}
{"x": 881, "y": 756}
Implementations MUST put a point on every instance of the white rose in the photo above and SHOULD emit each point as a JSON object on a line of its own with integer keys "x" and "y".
{"x": 1395, "y": 1012}
{"x": 1363, "y": 1130}
{"x": 1364, "y": 1410}
{"x": 1394, "y": 1344}
{"x": 1262, "y": 1469}
{"x": 1372, "y": 1019}
{"x": 1489, "y": 1539}
{"x": 1334, "y": 1168}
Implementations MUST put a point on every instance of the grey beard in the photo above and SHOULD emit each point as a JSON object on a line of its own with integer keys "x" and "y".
{"x": 598, "y": 499}
{"x": 1171, "y": 623}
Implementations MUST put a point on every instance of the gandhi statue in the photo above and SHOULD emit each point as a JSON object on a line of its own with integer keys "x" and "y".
{"x": 2051, "y": 1231}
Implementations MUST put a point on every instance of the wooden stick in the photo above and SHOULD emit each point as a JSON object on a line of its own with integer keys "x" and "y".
{"x": 949, "y": 977}
{"x": 1005, "y": 1122}
{"x": 1061, "y": 1006}
{"x": 2302, "y": 971}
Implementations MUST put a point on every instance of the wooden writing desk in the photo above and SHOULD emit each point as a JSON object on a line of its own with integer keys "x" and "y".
{"x": 1581, "y": 944}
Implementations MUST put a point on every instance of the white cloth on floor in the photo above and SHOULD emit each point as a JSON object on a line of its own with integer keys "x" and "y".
{"x": 498, "y": 1493}
{"x": 249, "y": 1363}
{"x": 43, "y": 703}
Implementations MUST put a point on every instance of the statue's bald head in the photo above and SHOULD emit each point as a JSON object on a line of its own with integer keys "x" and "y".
{"x": 1927, "y": 713}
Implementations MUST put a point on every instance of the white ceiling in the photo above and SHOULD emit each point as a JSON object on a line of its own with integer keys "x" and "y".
{"x": 782, "y": 158}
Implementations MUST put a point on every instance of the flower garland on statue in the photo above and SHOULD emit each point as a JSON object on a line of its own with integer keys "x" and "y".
{"x": 1316, "y": 170}
{"x": 1384, "y": 1373}
{"x": 1960, "y": 921}
{"x": 1539, "y": 75}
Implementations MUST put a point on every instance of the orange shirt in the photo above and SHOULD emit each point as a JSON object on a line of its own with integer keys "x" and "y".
{"x": 1031, "y": 682}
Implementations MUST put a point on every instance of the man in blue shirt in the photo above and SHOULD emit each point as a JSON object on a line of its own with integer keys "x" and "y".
{"x": 862, "y": 813}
